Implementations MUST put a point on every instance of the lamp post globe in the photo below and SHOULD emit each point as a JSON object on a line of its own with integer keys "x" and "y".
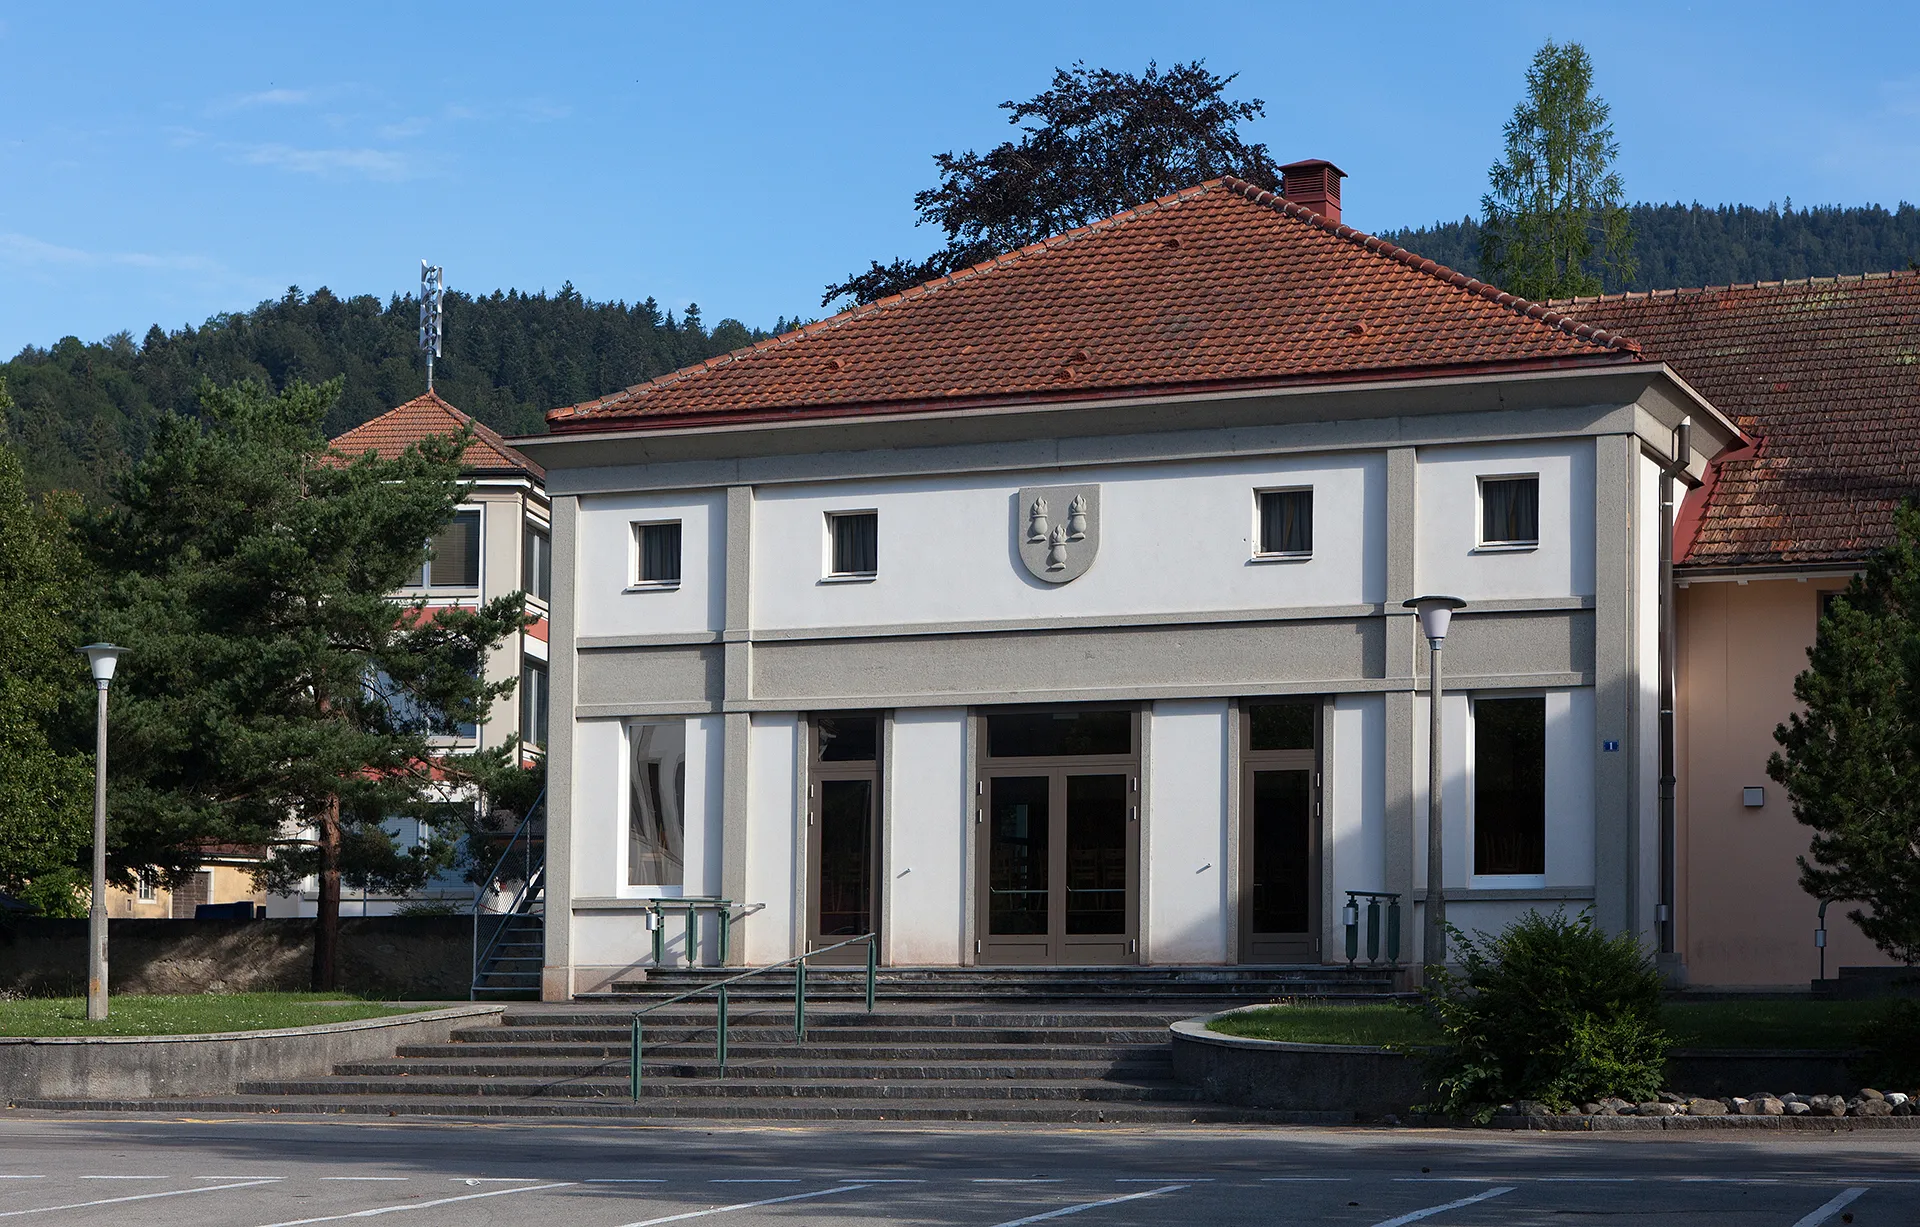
{"x": 1436, "y": 614}
{"x": 102, "y": 659}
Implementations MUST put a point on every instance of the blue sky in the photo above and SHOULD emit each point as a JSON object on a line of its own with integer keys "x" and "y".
{"x": 163, "y": 163}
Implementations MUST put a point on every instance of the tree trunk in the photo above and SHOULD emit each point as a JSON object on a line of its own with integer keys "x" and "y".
{"x": 326, "y": 923}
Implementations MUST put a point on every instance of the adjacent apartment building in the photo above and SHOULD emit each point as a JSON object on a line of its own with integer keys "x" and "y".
{"x": 500, "y": 541}
{"x": 1051, "y": 613}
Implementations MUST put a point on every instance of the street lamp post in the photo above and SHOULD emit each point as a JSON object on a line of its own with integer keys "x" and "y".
{"x": 1435, "y": 612}
{"x": 102, "y": 657}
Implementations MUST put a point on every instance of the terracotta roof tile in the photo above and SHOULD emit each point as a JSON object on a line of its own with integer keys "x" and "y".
{"x": 1825, "y": 375}
{"x": 398, "y": 429}
{"x": 1220, "y": 285}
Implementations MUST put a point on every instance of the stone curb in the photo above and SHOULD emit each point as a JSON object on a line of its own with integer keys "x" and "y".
{"x": 1694, "y": 1124}
{"x": 171, "y": 1066}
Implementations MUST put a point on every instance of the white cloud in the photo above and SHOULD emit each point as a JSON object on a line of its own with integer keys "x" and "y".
{"x": 415, "y": 126}
{"x": 273, "y": 98}
{"x": 383, "y": 164}
{"x": 23, "y": 249}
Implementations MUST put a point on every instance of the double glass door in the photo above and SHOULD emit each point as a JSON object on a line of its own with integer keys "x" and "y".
{"x": 1060, "y": 839}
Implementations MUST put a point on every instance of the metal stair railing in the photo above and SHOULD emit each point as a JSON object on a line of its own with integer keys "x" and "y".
{"x": 532, "y": 851}
{"x": 1350, "y": 917}
{"x": 719, "y": 987}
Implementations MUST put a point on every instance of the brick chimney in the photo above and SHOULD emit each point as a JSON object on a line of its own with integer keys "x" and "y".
{"x": 1313, "y": 184}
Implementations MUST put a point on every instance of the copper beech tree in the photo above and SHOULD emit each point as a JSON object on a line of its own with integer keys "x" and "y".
{"x": 275, "y": 693}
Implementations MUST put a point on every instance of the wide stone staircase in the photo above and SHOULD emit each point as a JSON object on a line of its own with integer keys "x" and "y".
{"x": 1053, "y": 1045}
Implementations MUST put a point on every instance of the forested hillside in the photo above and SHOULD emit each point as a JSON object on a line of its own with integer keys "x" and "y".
{"x": 1692, "y": 245}
{"x": 80, "y": 410}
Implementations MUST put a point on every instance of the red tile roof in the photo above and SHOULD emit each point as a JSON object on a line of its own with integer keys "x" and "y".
{"x": 1219, "y": 286}
{"x": 398, "y": 429}
{"x": 1825, "y": 375}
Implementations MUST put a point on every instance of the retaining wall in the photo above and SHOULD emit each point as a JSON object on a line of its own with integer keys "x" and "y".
{"x": 426, "y": 958}
{"x": 163, "y": 1066}
{"x": 1374, "y": 1081}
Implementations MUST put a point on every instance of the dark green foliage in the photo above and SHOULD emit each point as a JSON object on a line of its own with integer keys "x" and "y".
{"x": 46, "y": 790}
{"x": 84, "y": 410}
{"x": 1552, "y": 1010}
{"x": 1890, "y": 1046}
{"x": 1678, "y": 245}
{"x": 1552, "y": 222}
{"x": 1096, "y": 143}
{"x": 1850, "y": 761}
{"x": 273, "y": 693}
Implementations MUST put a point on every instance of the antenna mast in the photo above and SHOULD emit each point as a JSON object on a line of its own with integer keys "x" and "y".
{"x": 433, "y": 293}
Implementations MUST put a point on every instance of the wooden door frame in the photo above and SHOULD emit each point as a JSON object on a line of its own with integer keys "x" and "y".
{"x": 818, "y": 773}
{"x": 1252, "y": 761}
{"x": 1055, "y": 770}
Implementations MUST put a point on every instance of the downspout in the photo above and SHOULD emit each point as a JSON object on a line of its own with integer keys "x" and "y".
{"x": 1674, "y": 469}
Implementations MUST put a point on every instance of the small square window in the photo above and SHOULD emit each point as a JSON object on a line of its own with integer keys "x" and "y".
{"x": 1509, "y": 511}
{"x": 855, "y": 542}
{"x": 1286, "y": 522}
{"x": 659, "y": 553}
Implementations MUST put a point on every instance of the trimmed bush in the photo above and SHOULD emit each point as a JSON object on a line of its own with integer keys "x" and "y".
{"x": 1551, "y": 1010}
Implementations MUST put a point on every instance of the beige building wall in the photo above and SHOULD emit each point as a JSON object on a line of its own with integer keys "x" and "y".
{"x": 217, "y": 884}
{"x": 1743, "y": 918}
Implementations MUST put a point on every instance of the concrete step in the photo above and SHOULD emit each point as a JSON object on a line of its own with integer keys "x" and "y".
{"x": 1081, "y": 1090}
{"x": 976, "y": 1036}
{"x": 811, "y": 1110}
{"x": 739, "y": 1065}
{"x": 696, "y": 1050}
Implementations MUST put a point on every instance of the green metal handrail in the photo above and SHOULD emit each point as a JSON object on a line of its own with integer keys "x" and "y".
{"x": 1351, "y": 916}
{"x": 722, "y": 910}
{"x": 719, "y": 987}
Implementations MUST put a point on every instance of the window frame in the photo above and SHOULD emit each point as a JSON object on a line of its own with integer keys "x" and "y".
{"x": 530, "y": 665}
{"x": 542, "y": 529}
{"x": 423, "y": 580}
{"x": 637, "y": 555}
{"x": 830, "y": 523}
{"x": 1481, "y": 544}
{"x": 145, "y": 888}
{"x": 624, "y": 887}
{"x": 1260, "y": 553}
{"x": 1510, "y": 881}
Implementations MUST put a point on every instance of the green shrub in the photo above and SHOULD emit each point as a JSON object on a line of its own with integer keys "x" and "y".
{"x": 1551, "y": 1010}
{"x": 1890, "y": 1046}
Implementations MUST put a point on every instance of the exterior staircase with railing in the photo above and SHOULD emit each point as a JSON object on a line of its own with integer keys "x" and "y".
{"x": 509, "y": 913}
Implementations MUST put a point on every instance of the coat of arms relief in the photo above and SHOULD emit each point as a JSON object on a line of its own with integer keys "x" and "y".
{"x": 1057, "y": 529}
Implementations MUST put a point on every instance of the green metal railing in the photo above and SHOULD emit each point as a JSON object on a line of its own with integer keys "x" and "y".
{"x": 719, "y": 987}
{"x": 1351, "y": 916}
{"x": 722, "y": 910}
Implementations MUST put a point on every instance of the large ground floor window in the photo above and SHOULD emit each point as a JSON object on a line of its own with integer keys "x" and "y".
{"x": 656, "y": 803}
{"x": 1510, "y": 786}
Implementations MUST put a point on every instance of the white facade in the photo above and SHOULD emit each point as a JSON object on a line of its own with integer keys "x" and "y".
{"x": 1179, "y": 621}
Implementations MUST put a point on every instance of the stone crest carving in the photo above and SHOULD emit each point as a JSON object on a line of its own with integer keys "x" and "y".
{"x": 1058, "y": 530}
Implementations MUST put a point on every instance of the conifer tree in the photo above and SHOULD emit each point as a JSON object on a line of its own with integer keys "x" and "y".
{"x": 45, "y": 828}
{"x": 1552, "y": 223}
{"x": 274, "y": 693}
{"x": 1851, "y": 761}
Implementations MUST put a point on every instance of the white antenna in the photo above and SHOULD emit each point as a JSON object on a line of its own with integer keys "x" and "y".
{"x": 433, "y": 294}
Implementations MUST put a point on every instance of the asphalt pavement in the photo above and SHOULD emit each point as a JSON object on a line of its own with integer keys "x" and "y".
{"x": 290, "y": 1172}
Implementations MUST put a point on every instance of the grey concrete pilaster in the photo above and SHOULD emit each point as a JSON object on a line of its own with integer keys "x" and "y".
{"x": 1615, "y": 842}
{"x": 1235, "y": 892}
{"x": 1401, "y": 666}
{"x": 1330, "y": 931}
{"x": 885, "y": 918}
{"x": 1144, "y": 895}
{"x": 738, "y": 682}
{"x": 556, "y": 976}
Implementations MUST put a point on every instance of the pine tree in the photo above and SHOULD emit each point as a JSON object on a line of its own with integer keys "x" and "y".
{"x": 1552, "y": 223}
{"x": 274, "y": 694}
{"x": 1851, "y": 761}
{"x": 45, "y": 828}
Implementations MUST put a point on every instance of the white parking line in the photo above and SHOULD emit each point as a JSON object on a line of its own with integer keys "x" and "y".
{"x": 1840, "y": 1202}
{"x": 1019, "y": 1180}
{"x": 624, "y": 1180}
{"x": 1158, "y": 1179}
{"x": 1063, "y": 1211}
{"x": 420, "y": 1205}
{"x": 151, "y": 1177}
{"x": 114, "y": 1201}
{"x": 1306, "y": 1179}
{"x": 745, "y": 1205}
{"x": 756, "y": 1180}
{"x": 1416, "y": 1215}
{"x": 366, "y": 1177}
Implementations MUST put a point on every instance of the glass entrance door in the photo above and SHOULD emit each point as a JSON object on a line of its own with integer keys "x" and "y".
{"x": 1280, "y": 834}
{"x": 843, "y": 833}
{"x": 1060, "y": 847}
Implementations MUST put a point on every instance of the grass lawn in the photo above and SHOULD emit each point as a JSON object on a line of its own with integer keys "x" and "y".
{"x": 189, "y": 1015}
{"x": 1693, "y": 1024}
